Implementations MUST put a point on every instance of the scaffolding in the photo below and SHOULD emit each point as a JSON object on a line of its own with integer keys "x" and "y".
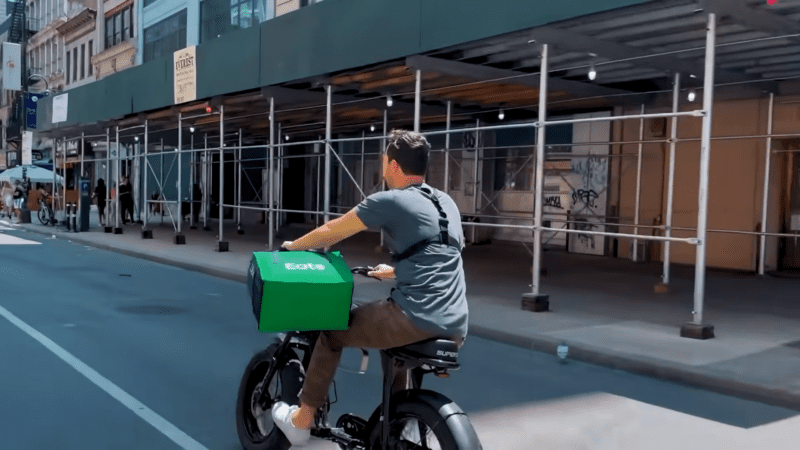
{"x": 268, "y": 197}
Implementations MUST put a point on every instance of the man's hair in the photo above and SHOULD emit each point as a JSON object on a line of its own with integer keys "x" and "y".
{"x": 410, "y": 149}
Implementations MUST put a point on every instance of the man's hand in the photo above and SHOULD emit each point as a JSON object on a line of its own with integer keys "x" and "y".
{"x": 382, "y": 271}
{"x": 286, "y": 245}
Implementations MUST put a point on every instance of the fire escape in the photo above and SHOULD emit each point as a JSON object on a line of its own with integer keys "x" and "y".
{"x": 18, "y": 33}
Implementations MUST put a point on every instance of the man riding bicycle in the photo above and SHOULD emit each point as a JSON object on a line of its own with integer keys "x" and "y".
{"x": 423, "y": 230}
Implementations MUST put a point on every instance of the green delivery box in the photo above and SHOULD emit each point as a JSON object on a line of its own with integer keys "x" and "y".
{"x": 300, "y": 291}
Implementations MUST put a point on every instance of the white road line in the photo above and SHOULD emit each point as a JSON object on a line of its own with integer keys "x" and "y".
{"x": 12, "y": 240}
{"x": 138, "y": 408}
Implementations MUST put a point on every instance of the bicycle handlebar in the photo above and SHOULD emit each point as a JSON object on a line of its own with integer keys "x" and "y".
{"x": 365, "y": 271}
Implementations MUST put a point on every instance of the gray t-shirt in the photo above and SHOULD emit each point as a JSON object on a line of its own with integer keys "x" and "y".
{"x": 430, "y": 284}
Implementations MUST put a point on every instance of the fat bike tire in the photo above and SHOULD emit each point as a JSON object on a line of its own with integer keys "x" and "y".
{"x": 285, "y": 386}
{"x": 426, "y": 420}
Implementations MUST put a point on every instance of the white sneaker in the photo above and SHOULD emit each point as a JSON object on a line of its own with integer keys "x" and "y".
{"x": 282, "y": 417}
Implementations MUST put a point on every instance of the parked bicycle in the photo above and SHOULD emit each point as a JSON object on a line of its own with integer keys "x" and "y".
{"x": 417, "y": 418}
{"x": 46, "y": 215}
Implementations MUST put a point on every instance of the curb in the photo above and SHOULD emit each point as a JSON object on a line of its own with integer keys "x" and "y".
{"x": 651, "y": 368}
{"x": 75, "y": 237}
{"x": 663, "y": 370}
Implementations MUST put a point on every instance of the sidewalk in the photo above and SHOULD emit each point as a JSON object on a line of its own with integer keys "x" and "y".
{"x": 603, "y": 308}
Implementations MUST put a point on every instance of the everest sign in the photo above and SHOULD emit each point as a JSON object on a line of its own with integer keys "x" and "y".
{"x": 185, "y": 75}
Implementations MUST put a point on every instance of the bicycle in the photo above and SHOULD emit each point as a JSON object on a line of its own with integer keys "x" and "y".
{"x": 417, "y": 418}
{"x": 46, "y": 216}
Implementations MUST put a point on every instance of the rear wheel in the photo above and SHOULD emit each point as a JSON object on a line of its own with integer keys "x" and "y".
{"x": 254, "y": 422}
{"x": 432, "y": 423}
{"x": 43, "y": 217}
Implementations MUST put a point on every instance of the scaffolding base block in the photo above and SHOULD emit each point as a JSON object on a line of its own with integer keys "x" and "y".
{"x": 180, "y": 239}
{"x": 695, "y": 331}
{"x": 117, "y": 230}
{"x": 239, "y": 230}
{"x": 661, "y": 288}
{"x": 147, "y": 234}
{"x": 222, "y": 246}
{"x": 108, "y": 229}
{"x": 206, "y": 228}
{"x": 535, "y": 302}
{"x": 192, "y": 228}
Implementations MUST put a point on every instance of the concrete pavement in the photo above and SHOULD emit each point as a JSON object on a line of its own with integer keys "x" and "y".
{"x": 603, "y": 308}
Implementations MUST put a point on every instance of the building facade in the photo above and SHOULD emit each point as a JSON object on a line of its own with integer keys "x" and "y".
{"x": 248, "y": 53}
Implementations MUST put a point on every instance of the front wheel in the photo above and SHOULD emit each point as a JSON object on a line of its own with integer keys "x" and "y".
{"x": 425, "y": 420}
{"x": 254, "y": 423}
{"x": 43, "y": 218}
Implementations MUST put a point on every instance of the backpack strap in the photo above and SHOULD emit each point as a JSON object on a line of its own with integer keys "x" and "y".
{"x": 443, "y": 237}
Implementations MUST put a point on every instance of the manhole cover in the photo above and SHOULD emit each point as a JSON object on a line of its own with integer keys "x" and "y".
{"x": 152, "y": 309}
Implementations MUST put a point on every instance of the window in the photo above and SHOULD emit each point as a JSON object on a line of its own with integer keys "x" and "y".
{"x": 67, "y": 67}
{"x": 74, "y": 64}
{"x": 119, "y": 27}
{"x": 148, "y": 2}
{"x": 91, "y": 67}
{"x": 83, "y": 61}
{"x": 246, "y": 13}
{"x": 165, "y": 37}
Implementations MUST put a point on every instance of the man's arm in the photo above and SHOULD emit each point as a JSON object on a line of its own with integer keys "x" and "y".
{"x": 330, "y": 233}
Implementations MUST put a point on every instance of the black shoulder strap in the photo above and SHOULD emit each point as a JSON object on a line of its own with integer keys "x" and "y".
{"x": 443, "y": 222}
{"x": 443, "y": 236}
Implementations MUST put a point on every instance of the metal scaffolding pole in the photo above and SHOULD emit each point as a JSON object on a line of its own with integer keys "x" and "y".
{"x": 696, "y": 328}
{"x": 136, "y": 169}
{"x": 536, "y": 301}
{"x": 417, "y": 100}
{"x": 180, "y": 173}
{"x": 80, "y": 197}
{"x": 109, "y": 184}
{"x": 206, "y": 184}
{"x": 222, "y": 246}
{"x": 475, "y": 191}
{"x": 147, "y": 166}
{"x": 326, "y": 204}
{"x": 765, "y": 199}
{"x": 118, "y": 177}
{"x": 162, "y": 197}
{"x": 269, "y": 172}
{"x": 383, "y": 148}
{"x": 363, "y": 144}
{"x": 238, "y": 201}
{"x": 676, "y": 88}
{"x": 277, "y": 186}
{"x": 83, "y": 135}
{"x": 192, "y": 176}
{"x": 55, "y": 184}
{"x": 447, "y": 149}
{"x": 638, "y": 189}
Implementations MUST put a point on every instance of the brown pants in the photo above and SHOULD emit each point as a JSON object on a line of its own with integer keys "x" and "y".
{"x": 379, "y": 325}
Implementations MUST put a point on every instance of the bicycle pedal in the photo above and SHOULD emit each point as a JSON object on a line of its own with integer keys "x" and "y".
{"x": 353, "y": 425}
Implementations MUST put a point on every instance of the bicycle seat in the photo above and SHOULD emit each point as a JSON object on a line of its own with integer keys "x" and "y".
{"x": 436, "y": 352}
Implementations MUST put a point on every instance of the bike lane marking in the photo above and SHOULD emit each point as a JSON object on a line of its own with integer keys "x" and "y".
{"x": 151, "y": 417}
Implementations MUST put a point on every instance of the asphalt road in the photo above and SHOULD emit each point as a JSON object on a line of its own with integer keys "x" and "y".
{"x": 104, "y": 351}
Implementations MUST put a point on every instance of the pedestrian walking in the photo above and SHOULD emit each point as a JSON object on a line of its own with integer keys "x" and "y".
{"x": 7, "y": 196}
{"x": 19, "y": 193}
{"x": 126, "y": 200}
{"x": 100, "y": 193}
